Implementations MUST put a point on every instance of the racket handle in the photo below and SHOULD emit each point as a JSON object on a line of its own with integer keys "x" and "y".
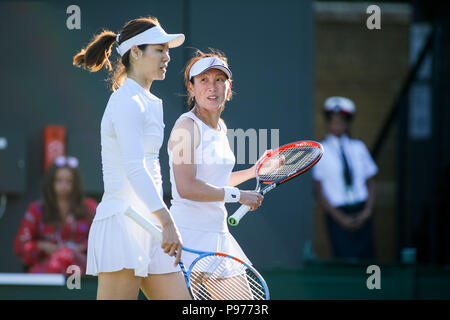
{"x": 144, "y": 223}
{"x": 237, "y": 216}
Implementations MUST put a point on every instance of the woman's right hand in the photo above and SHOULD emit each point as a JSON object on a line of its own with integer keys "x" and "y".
{"x": 253, "y": 199}
{"x": 171, "y": 242}
{"x": 171, "y": 238}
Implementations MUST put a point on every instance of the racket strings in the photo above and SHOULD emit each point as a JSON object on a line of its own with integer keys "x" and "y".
{"x": 216, "y": 276}
{"x": 239, "y": 287}
{"x": 211, "y": 289}
{"x": 223, "y": 278}
{"x": 294, "y": 159}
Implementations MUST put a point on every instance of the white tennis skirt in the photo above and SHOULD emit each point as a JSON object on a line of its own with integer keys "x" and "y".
{"x": 117, "y": 243}
{"x": 209, "y": 241}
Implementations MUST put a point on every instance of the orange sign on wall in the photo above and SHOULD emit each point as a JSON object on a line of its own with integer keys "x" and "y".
{"x": 54, "y": 144}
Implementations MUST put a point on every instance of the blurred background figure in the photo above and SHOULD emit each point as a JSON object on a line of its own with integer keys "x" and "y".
{"x": 344, "y": 184}
{"x": 54, "y": 231}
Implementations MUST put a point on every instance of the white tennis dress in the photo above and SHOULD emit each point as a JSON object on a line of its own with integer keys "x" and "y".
{"x": 132, "y": 132}
{"x": 203, "y": 225}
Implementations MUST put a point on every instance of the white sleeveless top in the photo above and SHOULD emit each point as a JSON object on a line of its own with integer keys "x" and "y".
{"x": 132, "y": 132}
{"x": 215, "y": 161}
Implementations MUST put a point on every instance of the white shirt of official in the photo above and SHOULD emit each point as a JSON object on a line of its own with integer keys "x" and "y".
{"x": 132, "y": 132}
{"x": 330, "y": 170}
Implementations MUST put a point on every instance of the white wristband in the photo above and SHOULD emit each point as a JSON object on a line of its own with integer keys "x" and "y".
{"x": 232, "y": 194}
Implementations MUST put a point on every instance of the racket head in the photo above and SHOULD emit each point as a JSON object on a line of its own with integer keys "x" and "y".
{"x": 218, "y": 276}
{"x": 288, "y": 161}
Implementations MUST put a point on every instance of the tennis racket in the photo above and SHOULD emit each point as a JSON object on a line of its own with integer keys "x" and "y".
{"x": 214, "y": 275}
{"x": 280, "y": 166}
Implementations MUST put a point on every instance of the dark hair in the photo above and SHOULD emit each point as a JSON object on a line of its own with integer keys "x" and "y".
{"x": 50, "y": 210}
{"x": 197, "y": 56}
{"x": 96, "y": 54}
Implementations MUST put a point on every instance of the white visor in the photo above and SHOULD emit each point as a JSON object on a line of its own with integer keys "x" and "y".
{"x": 209, "y": 63}
{"x": 154, "y": 35}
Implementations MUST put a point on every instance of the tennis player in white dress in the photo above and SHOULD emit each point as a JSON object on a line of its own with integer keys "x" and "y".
{"x": 123, "y": 256}
{"x": 201, "y": 162}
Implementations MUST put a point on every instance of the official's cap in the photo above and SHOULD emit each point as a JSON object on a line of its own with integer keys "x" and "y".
{"x": 340, "y": 104}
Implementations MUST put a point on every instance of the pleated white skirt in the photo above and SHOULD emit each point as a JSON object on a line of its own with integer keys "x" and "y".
{"x": 209, "y": 241}
{"x": 117, "y": 243}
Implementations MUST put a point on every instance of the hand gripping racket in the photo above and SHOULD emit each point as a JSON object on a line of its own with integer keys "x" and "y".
{"x": 214, "y": 275}
{"x": 280, "y": 166}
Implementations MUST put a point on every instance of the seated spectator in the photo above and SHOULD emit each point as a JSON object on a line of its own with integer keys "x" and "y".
{"x": 54, "y": 231}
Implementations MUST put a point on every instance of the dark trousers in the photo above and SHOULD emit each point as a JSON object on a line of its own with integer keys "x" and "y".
{"x": 357, "y": 244}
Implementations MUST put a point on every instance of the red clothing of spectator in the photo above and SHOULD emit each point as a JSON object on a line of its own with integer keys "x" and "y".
{"x": 71, "y": 238}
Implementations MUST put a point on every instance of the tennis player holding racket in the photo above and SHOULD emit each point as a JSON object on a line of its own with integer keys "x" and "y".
{"x": 124, "y": 256}
{"x": 201, "y": 162}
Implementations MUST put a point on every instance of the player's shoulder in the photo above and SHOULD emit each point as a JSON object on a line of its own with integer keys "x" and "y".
{"x": 185, "y": 122}
{"x": 122, "y": 95}
{"x": 188, "y": 121}
{"x": 154, "y": 98}
{"x": 120, "y": 100}
{"x": 223, "y": 124}
{"x": 184, "y": 126}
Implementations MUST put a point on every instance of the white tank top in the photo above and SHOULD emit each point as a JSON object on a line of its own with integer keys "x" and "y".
{"x": 215, "y": 161}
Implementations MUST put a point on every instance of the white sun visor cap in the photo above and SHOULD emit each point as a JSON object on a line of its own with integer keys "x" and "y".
{"x": 209, "y": 63}
{"x": 340, "y": 104}
{"x": 154, "y": 35}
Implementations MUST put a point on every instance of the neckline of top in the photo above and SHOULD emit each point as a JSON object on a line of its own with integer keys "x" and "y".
{"x": 213, "y": 129}
{"x": 137, "y": 86}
